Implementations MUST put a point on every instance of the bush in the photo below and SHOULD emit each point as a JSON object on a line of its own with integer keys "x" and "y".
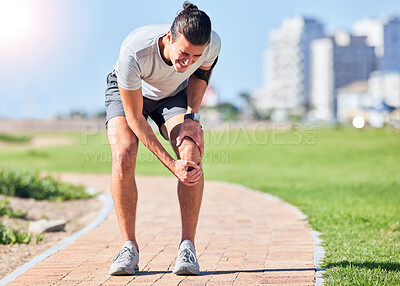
{"x": 26, "y": 184}
{"x": 6, "y": 210}
{"x": 11, "y": 236}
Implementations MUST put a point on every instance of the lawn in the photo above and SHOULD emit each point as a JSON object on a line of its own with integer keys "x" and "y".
{"x": 347, "y": 181}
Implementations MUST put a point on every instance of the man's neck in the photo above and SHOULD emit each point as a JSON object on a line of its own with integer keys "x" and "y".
{"x": 163, "y": 46}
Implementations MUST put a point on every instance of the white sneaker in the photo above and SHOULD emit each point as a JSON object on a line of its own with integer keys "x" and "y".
{"x": 186, "y": 262}
{"x": 126, "y": 261}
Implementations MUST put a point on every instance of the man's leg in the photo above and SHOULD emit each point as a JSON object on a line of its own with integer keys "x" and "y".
{"x": 189, "y": 197}
{"x": 124, "y": 146}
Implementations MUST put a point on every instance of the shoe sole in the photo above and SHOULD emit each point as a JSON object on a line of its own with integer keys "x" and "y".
{"x": 186, "y": 271}
{"x": 121, "y": 271}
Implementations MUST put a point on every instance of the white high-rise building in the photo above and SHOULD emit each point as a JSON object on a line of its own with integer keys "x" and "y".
{"x": 322, "y": 75}
{"x": 335, "y": 62}
{"x": 287, "y": 66}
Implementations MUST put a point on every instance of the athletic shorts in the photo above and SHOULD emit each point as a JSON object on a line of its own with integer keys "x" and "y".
{"x": 158, "y": 110}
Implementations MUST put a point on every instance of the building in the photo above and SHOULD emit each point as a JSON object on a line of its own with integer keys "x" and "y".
{"x": 287, "y": 67}
{"x": 211, "y": 97}
{"x": 384, "y": 86}
{"x": 322, "y": 75}
{"x": 351, "y": 101}
{"x": 384, "y": 35}
{"x": 337, "y": 61}
{"x": 376, "y": 100}
{"x": 373, "y": 30}
{"x": 391, "y": 45}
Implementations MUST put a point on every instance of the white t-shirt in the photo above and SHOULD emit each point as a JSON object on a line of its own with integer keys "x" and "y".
{"x": 140, "y": 63}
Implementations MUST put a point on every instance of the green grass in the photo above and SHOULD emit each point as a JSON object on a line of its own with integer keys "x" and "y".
{"x": 347, "y": 181}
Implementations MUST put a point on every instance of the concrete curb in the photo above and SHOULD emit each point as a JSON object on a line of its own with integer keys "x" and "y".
{"x": 319, "y": 252}
{"x": 101, "y": 217}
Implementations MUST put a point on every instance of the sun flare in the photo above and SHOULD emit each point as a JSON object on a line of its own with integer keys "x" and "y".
{"x": 15, "y": 22}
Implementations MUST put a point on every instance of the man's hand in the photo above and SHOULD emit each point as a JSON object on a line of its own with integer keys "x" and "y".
{"x": 189, "y": 178}
{"x": 191, "y": 129}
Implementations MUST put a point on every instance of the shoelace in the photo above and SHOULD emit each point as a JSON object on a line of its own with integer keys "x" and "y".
{"x": 124, "y": 253}
{"x": 187, "y": 255}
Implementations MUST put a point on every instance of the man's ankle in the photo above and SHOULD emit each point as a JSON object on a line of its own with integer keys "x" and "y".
{"x": 134, "y": 243}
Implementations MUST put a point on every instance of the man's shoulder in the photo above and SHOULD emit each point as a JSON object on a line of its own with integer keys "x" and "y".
{"x": 144, "y": 37}
{"x": 215, "y": 36}
{"x": 213, "y": 49}
{"x": 215, "y": 40}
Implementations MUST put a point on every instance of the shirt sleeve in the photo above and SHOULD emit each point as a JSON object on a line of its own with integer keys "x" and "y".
{"x": 215, "y": 48}
{"x": 128, "y": 70}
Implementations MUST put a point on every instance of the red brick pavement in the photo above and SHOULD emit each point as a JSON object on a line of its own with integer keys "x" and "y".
{"x": 243, "y": 238}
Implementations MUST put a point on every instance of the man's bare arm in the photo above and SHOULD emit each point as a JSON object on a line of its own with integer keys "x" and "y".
{"x": 195, "y": 92}
{"x": 132, "y": 101}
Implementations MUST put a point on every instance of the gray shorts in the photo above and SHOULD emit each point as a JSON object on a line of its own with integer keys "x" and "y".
{"x": 158, "y": 110}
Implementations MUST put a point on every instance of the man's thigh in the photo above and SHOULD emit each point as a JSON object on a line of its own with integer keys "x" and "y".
{"x": 123, "y": 141}
{"x": 165, "y": 109}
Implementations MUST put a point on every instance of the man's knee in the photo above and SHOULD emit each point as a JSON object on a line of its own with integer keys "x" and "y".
{"x": 124, "y": 159}
{"x": 189, "y": 150}
{"x": 124, "y": 145}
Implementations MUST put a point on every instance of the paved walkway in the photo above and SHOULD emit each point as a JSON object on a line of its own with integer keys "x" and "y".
{"x": 243, "y": 238}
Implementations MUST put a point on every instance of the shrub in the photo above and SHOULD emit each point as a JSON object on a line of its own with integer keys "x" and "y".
{"x": 6, "y": 210}
{"x": 11, "y": 236}
{"x": 27, "y": 184}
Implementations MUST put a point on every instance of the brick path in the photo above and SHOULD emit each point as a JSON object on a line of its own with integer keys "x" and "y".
{"x": 243, "y": 238}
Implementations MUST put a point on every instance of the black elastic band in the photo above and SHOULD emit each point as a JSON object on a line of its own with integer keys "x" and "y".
{"x": 205, "y": 74}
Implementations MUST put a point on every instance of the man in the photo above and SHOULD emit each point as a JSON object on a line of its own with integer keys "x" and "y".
{"x": 161, "y": 72}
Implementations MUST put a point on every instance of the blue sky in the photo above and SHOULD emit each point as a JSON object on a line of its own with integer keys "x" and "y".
{"x": 54, "y": 55}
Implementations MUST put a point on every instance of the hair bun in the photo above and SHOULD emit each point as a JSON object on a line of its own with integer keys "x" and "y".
{"x": 189, "y": 6}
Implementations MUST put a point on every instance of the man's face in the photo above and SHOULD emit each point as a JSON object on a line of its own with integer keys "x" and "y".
{"x": 183, "y": 54}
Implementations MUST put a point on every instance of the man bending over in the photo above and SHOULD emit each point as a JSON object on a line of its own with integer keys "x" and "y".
{"x": 162, "y": 72}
